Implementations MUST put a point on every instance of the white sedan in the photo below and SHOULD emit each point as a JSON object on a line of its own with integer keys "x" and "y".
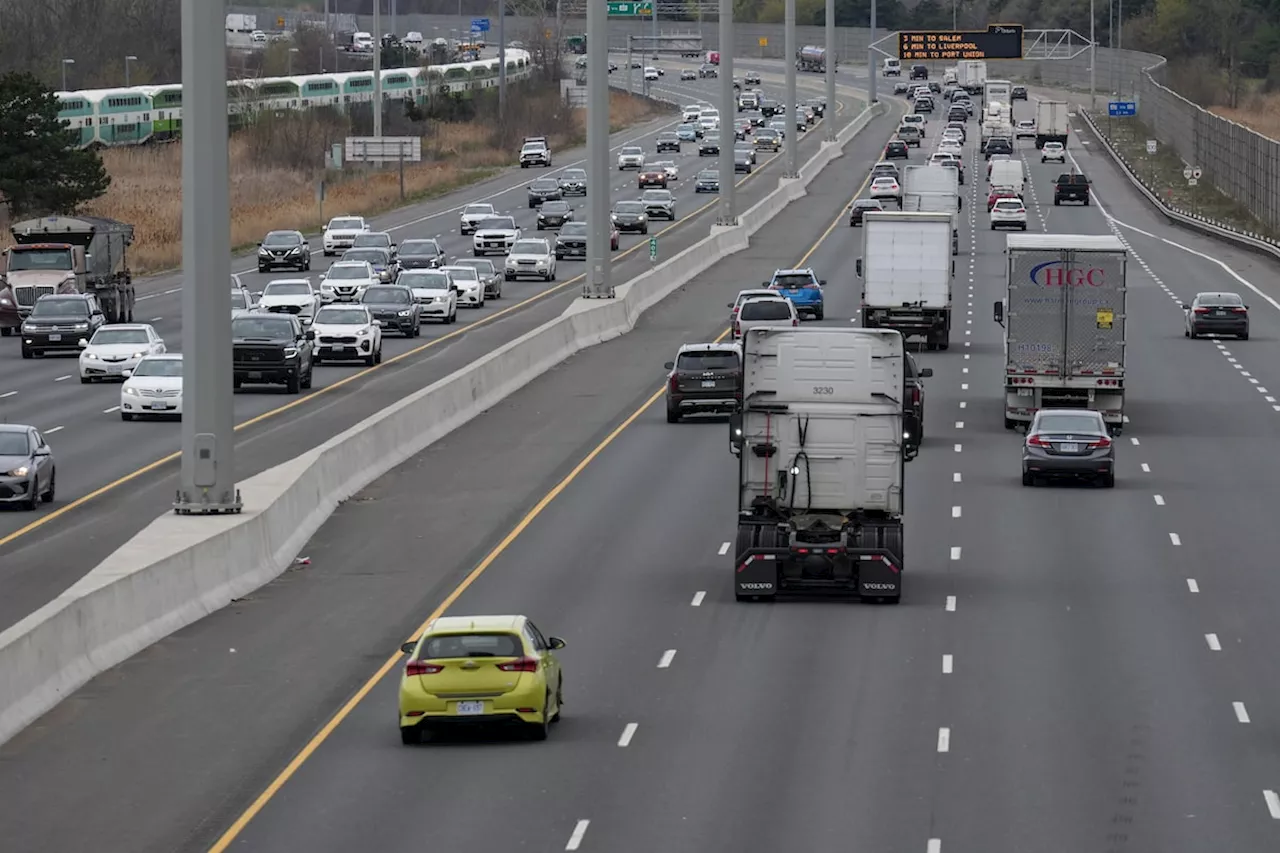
{"x": 116, "y": 348}
{"x": 470, "y": 288}
{"x": 347, "y": 332}
{"x": 670, "y": 167}
{"x": 951, "y": 146}
{"x": 435, "y": 293}
{"x": 531, "y": 258}
{"x": 650, "y": 73}
{"x": 1009, "y": 213}
{"x": 886, "y": 187}
{"x": 1055, "y": 151}
{"x": 153, "y": 388}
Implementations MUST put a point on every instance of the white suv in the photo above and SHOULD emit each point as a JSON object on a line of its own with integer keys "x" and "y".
{"x": 1009, "y": 213}
{"x": 530, "y": 257}
{"x": 340, "y": 233}
{"x": 1055, "y": 151}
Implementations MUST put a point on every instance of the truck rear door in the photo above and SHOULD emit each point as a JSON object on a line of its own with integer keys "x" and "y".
{"x": 1095, "y": 313}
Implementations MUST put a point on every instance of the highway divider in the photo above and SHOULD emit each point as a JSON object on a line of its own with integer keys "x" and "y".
{"x": 181, "y": 568}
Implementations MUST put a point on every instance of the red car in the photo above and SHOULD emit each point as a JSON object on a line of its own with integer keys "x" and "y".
{"x": 998, "y": 193}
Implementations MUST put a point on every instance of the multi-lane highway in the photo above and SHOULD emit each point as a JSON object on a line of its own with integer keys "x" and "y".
{"x": 135, "y": 462}
{"x": 1071, "y": 668}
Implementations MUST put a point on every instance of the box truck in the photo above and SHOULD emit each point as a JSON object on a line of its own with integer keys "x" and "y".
{"x": 906, "y": 270}
{"x": 1051, "y": 122}
{"x": 934, "y": 189}
{"x": 971, "y": 75}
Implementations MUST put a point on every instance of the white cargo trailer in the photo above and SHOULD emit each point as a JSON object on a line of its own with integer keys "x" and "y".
{"x": 821, "y": 457}
{"x": 971, "y": 74}
{"x": 1064, "y": 326}
{"x": 1052, "y": 122}
{"x": 934, "y": 189}
{"x": 906, "y": 270}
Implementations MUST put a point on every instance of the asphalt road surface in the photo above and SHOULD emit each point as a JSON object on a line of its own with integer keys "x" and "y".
{"x": 1071, "y": 668}
{"x": 96, "y": 450}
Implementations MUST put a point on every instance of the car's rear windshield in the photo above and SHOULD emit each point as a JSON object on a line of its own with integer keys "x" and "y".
{"x": 1070, "y": 423}
{"x": 770, "y": 309}
{"x": 1221, "y": 299}
{"x": 711, "y": 360}
{"x": 471, "y": 646}
{"x": 793, "y": 280}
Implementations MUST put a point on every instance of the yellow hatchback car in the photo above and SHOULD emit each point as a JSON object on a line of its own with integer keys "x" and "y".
{"x": 480, "y": 670}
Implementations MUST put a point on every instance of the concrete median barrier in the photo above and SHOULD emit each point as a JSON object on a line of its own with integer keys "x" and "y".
{"x": 181, "y": 568}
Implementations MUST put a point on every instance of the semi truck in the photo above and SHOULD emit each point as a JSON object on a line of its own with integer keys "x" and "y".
{"x": 812, "y": 58}
{"x": 821, "y": 463}
{"x": 1051, "y": 122}
{"x": 934, "y": 189}
{"x": 67, "y": 254}
{"x": 1064, "y": 326}
{"x": 906, "y": 270}
{"x": 971, "y": 75}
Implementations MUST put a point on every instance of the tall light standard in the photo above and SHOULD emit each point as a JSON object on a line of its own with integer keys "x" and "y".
{"x": 292, "y": 51}
{"x": 65, "y": 63}
{"x": 953, "y": 15}
{"x": 127, "y": 60}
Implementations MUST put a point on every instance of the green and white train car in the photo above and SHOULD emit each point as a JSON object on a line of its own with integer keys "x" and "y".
{"x": 141, "y": 114}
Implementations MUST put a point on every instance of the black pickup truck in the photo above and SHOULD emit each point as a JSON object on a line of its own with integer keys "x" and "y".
{"x": 1071, "y": 187}
{"x": 271, "y": 349}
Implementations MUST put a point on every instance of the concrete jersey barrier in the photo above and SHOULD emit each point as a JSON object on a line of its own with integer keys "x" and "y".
{"x": 182, "y": 568}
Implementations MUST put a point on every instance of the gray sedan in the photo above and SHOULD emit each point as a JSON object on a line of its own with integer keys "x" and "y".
{"x": 1069, "y": 443}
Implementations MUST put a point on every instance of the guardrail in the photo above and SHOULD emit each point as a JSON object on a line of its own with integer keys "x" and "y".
{"x": 182, "y": 568}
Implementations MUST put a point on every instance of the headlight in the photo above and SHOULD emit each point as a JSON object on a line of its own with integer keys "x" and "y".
{"x": 137, "y": 355}
{"x": 262, "y": 250}
{"x": 20, "y": 472}
{"x": 614, "y": 217}
{"x": 643, "y": 217}
{"x": 405, "y": 313}
{"x": 89, "y": 356}
{"x": 132, "y": 392}
{"x": 4, "y": 301}
{"x": 81, "y": 326}
{"x": 290, "y": 352}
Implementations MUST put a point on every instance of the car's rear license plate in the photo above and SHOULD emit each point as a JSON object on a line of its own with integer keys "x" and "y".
{"x": 708, "y": 383}
{"x": 55, "y": 337}
{"x": 1070, "y": 447}
{"x": 255, "y": 374}
{"x": 470, "y": 709}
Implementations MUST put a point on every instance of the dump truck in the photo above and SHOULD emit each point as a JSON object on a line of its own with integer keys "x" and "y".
{"x": 68, "y": 254}
{"x": 906, "y": 270}
{"x": 934, "y": 189}
{"x": 1064, "y": 326}
{"x": 821, "y": 463}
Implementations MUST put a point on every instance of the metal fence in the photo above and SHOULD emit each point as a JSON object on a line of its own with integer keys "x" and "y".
{"x": 1240, "y": 162}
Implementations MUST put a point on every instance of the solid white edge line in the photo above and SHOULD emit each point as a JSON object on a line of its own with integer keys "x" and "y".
{"x": 575, "y": 840}
{"x": 1214, "y": 644}
{"x": 944, "y": 739}
{"x": 627, "y": 734}
{"x": 665, "y": 661}
{"x": 934, "y": 846}
{"x": 52, "y": 430}
{"x": 8, "y": 394}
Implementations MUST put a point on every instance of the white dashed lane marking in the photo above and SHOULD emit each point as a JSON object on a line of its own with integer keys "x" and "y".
{"x": 1214, "y": 644}
{"x": 627, "y": 734}
{"x": 667, "y": 657}
{"x": 724, "y": 549}
{"x": 944, "y": 739}
{"x": 1192, "y": 585}
{"x": 1241, "y": 714}
{"x": 63, "y": 378}
{"x": 1175, "y": 539}
{"x": 951, "y": 604}
{"x": 8, "y": 394}
{"x": 575, "y": 840}
{"x": 52, "y": 430}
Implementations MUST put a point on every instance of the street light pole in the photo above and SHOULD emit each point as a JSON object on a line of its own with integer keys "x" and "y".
{"x": 829, "y": 112}
{"x": 871, "y": 59}
{"x": 502, "y": 60}
{"x": 728, "y": 111}
{"x": 127, "y": 60}
{"x": 65, "y": 63}
{"x": 599, "y": 253}
{"x": 1093, "y": 63}
{"x": 377, "y": 69}
{"x": 207, "y": 484}
{"x": 292, "y": 51}
{"x": 791, "y": 139}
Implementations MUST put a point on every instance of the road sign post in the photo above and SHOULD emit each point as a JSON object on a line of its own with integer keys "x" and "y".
{"x": 1151, "y": 146}
{"x": 1122, "y": 109}
{"x": 630, "y": 8}
{"x": 653, "y": 250}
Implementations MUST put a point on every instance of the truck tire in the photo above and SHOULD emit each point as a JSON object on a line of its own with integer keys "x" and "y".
{"x": 944, "y": 345}
{"x": 293, "y": 384}
{"x": 1010, "y": 423}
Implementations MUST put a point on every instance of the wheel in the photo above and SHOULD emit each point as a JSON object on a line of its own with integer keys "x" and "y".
{"x": 1027, "y": 479}
{"x": 1056, "y": 201}
{"x": 50, "y": 492}
{"x": 539, "y": 731}
{"x": 85, "y": 380}
{"x": 26, "y": 353}
{"x": 377, "y": 355}
{"x": 126, "y": 416}
{"x": 1109, "y": 481}
{"x": 944, "y": 345}
{"x": 410, "y": 735}
{"x": 555, "y": 718}
{"x": 1245, "y": 336}
{"x": 1186, "y": 333}
{"x": 371, "y": 359}
{"x": 33, "y": 496}
{"x": 261, "y": 269}
{"x": 235, "y": 384}
{"x": 673, "y": 415}
{"x": 6, "y": 332}
{"x": 417, "y": 330}
{"x": 453, "y": 316}
{"x": 1010, "y": 423}
{"x": 1193, "y": 334}
{"x": 931, "y": 346}
{"x": 293, "y": 384}
{"x": 305, "y": 381}
{"x": 508, "y": 276}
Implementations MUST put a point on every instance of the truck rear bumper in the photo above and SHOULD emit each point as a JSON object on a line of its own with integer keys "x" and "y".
{"x": 775, "y": 572}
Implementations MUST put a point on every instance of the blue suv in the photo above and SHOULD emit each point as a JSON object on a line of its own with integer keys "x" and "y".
{"x": 802, "y": 288}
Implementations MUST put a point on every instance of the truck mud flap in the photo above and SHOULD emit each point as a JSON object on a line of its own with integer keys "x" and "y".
{"x": 757, "y": 574}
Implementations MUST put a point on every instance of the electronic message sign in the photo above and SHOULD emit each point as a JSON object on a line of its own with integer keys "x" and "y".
{"x": 999, "y": 41}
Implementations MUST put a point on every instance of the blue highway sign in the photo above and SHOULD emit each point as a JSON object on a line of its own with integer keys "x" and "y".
{"x": 1122, "y": 108}
{"x": 480, "y": 25}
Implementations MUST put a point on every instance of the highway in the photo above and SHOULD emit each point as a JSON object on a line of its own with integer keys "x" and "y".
{"x": 1071, "y": 668}
{"x": 43, "y": 553}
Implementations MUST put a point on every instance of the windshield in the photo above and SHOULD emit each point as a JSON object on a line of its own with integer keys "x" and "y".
{"x": 471, "y": 646}
{"x": 424, "y": 281}
{"x": 555, "y": 207}
{"x": 766, "y": 309}
{"x": 575, "y": 175}
{"x": 546, "y": 184}
{"x": 419, "y": 247}
{"x": 533, "y": 146}
{"x": 498, "y": 223}
{"x": 282, "y": 239}
{"x": 108, "y": 335}
{"x": 719, "y": 360}
{"x": 385, "y": 296}
{"x": 21, "y": 259}
{"x": 629, "y": 207}
{"x": 14, "y": 444}
{"x": 708, "y": 176}
{"x": 529, "y": 247}
{"x": 159, "y": 367}
{"x": 868, "y": 204}
{"x": 479, "y": 265}
{"x": 377, "y": 240}
{"x": 657, "y": 195}
{"x": 478, "y": 210}
{"x": 261, "y": 326}
{"x": 347, "y": 273}
{"x": 766, "y": 133}
{"x": 463, "y": 274}
{"x": 1070, "y": 423}
{"x": 793, "y": 279}
{"x": 574, "y": 229}
{"x": 1220, "y": 299}
{"x": 334, "y": 316}
{"x": 46, "y": 307}
{"x": 346, "y": 225}
{"x": 373, "y": 256}
{"x": 688, "y": 128}
{"x": 632, "y": 150}
{"x": 287, "y": 288}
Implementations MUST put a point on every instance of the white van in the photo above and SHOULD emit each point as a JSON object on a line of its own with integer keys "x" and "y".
{"x": 1009, "y": 173}
{"x": 892, "y": 67}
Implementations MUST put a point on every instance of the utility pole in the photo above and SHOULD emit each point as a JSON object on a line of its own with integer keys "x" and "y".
{"x": 502, "y": 60}
{"x": 871, "y": 59}
{"x": 829, "y": 114}
{"x": 598, "y": 284}
{"x": 207, "y": 483}
{"x": 728, "y": 111}
{"x": 792, "y": 139}
{"x": 1093, "y": 63}
{"x": 377, "y": 68}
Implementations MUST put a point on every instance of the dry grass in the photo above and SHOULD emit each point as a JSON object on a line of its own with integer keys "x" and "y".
{"x": 1260, "y": 112}
{"x": 146, "y": 186}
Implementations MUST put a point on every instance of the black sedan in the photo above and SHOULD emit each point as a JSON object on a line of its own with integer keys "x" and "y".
{"x": 554, "y": 214}
{"x": 1217, "y": 314}
{"x": 1070, "y": 444}
{"x": 26, "y": 466}
{"x": 862, "y": 206}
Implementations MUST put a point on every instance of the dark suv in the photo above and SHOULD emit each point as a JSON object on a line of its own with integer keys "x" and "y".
{"x": 394, "y": 309}
{"x": 704, "y": 378}
{"x": 919, "y": 72}
{"x": 913, "y": 408}
{"x": 271, "y": 349}
{"x": 544, "y": 189}
{"x": 997, "y": 145}
{"x": 668, "y": 141}
{"x": 59, "y": 321}
{"x": 287, "y": 249}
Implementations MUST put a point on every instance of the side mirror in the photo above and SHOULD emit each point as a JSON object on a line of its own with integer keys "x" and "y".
{"x": 926, "y": 372}
{"x": 325, "y": 228}
{"x": 555, "y": 643}
{"x": 1186, "y": 307}
{"x": 42, "y": 451}
{"x": 259, "y": 245}
{"x": 408, "y": 647}
{"x": 736, "y": 439}
{"x": 822, "y": 282}
{"x": 670, "y": 365}
{"x": 83, "y": 343}
{"x": 999, "y": 312}
{"x": 857, "y": 268}
{"x": 257, "y": 294}
{"x": 126, "y": 373}
{"x": 310, "y": 334}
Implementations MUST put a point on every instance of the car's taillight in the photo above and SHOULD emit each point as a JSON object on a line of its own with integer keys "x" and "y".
{"x": 521, "y": 665}
{"x": 673, "y": 383}
{"x": 1202, "y": 310}
{"x": 1037, "y": 441}
{"x": 795, "y": 321}
{"x": 915, "y": 396}
{"x": 1239, "y": 310}
{"x": 1102, "y": 441}
{"x": 418, "y": 667}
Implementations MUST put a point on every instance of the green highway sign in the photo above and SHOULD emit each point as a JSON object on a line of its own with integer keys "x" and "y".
{"x": 630, "y": 7}
{"x": 653, "y": 248}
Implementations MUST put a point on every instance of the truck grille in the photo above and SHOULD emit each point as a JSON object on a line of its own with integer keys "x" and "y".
{"x": 25, "y": 295}
{"x": 259, "y": 355}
